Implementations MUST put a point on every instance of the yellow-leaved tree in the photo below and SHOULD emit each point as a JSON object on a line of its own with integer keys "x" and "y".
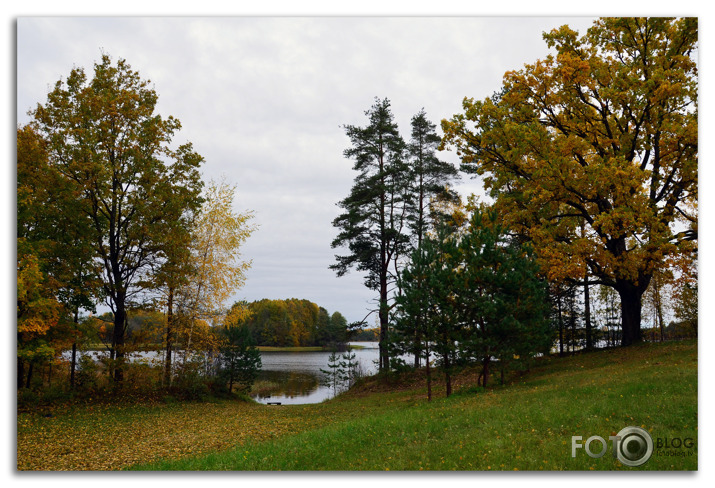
{"x": 217, "y": 269}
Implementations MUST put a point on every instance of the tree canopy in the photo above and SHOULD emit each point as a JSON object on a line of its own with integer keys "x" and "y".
{"x": 292, "y": 323}
{"x": 475, "y": 295}
{"x": 107, "y": 144}
{"x": 604, "y": 134}
{"x": 386, "y": 212}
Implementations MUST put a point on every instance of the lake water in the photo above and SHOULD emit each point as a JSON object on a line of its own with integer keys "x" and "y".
{"x": 295, "y": 377}
{"x": 285, "y": 377}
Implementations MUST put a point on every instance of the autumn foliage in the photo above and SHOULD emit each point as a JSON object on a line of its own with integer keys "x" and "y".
{"x": 294, "y": 323}
{"x": 604, "y": 133}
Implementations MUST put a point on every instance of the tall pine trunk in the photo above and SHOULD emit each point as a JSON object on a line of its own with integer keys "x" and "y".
{"x": 420, "y": 231}
{"x": 384, "y": 324}
{"x": 429, "y": 373}
{"x": 384, "y": 266}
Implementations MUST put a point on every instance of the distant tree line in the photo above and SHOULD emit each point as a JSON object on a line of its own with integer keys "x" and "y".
{"x": 293, "y": 323}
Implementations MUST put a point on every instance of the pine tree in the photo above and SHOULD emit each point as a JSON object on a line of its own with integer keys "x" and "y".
{"x": 374, "y": 213}
{"x": 428, "y": 305}
{"x": 239, "y": 358}
{"x": 502, "y": 300}
{"x": 430, "y": 178}
{"x": 333, "y": 376}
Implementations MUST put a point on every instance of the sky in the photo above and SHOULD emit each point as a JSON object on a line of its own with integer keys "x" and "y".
{"x": 264, "y": 101}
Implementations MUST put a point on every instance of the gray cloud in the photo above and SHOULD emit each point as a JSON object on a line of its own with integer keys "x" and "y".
{"x": 263, "y": 99}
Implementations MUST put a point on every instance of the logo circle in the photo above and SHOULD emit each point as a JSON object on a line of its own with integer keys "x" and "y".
{"x": 635, "y": 446}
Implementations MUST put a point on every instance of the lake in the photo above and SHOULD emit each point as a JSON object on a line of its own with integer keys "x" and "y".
{"x": 285, "y": 377}
{"x": 295, "y": 377}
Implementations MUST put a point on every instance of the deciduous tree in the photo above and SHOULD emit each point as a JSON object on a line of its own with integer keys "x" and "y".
{"x": 217, "y": 268}
{"x": 50, "y": 225}
{"x": 105, "y": 140}
{"x": 603, "y": 132}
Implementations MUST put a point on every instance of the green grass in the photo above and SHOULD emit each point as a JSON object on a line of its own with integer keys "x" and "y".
{"x": 524, "y": 425}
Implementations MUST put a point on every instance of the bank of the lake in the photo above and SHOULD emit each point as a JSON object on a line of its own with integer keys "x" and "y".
{"x": 302, "y": 348}
{"x": 388, "y": 424}
{"x": 289, "y": 375}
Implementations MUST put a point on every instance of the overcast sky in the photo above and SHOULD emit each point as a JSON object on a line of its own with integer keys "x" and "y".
{"x": 264, "y": 99}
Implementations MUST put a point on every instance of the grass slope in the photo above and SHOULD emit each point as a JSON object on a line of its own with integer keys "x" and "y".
{"x": 525, "y": 425}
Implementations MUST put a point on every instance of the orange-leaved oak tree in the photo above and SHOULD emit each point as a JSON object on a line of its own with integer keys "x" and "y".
{"x": 603, "y": 133}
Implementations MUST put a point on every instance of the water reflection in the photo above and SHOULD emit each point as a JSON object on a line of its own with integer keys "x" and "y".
{"x": 290, "y": 384}
{"x": 295, "y": 377}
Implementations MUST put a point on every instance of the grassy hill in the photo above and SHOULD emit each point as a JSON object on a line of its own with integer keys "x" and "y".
{"x": 526, "y": 424}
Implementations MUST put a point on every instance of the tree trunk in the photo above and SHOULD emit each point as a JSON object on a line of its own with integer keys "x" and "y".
{"x": 73, "y": 364}
{"x": 587, "y": 313}
{"x": 485, "y": 370}
{"x": 420, "y": 231}
{"x": 169, "y": 332}
{"x": 631, "y": 311}
{"x": 29, "y": 376}
{"x": 384, "y": 262}
{"x": 418, "y": 343}
{"x": 120, "y": 317}
{"x": 20, "y": 373}
{"x": 658, "y": 302}
{"x": 384, "y": 324}
{"x": 429, "y": 373}
{"x": 561, "y": 327}
{"x": 586, "y": 298}
{"x": 572, "y": 320}
{"x": 447, "y": 375}
{"x": 20, "y": 365}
